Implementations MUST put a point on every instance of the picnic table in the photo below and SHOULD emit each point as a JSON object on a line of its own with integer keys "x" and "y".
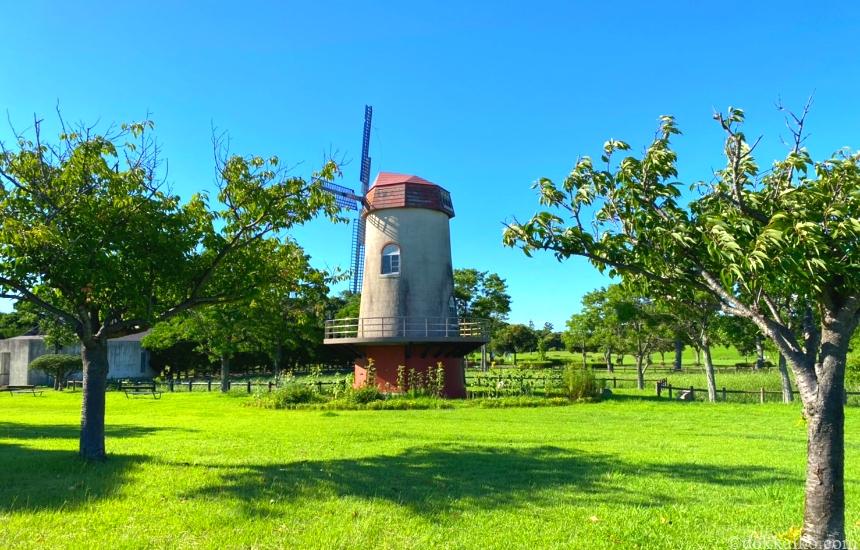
{"x": 140, "y": 388}
{"x": 21, "y": 389}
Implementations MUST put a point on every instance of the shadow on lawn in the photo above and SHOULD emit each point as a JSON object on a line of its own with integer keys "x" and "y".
{"x": 36, "y": 478}
{"x": 441, "y": 479}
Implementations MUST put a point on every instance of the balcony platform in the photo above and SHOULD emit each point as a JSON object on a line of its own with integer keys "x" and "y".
{"x": 456, "y": 333}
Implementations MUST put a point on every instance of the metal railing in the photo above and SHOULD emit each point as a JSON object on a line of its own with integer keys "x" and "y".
{"x": 406, "y": 327}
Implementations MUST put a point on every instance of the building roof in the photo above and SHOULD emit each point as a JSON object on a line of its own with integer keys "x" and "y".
{"x": 392, "y": 178}
{"x": 128, "y": 338}
{"x": 137, "y": 337}
{"x": 392, "y": 190}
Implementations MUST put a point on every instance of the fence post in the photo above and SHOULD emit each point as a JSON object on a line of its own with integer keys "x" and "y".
{"x": 190, "y": 387}
{"x": 658, "y": 389}
{"x": 170, "y": 385}
{"x": 724, "y": 393}
{"x": 670, "y": 391}
{"x": 614, "y": 382}
{"x": 270, "y": 386}
{"x": 761, "y": 395}
{"x": 249, "y": 386}
{"x": 692, "y": 393}
{"x": 209, "y": 385}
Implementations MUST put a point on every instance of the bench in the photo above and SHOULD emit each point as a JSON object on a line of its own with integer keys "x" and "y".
{"x": 21, "y": 389}
{"x": 140, "y": 388}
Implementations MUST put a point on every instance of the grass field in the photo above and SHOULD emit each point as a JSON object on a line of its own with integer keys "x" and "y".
{"x": 202, "y": 470}
{"x": 721, "y": 356}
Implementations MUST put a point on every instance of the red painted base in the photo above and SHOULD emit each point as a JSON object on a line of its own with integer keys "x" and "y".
{"x": 387, "y": 359}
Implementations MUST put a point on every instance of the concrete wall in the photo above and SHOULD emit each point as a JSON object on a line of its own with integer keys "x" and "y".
{"x": 124, "y": 359}
{"x": 425, "y": 285}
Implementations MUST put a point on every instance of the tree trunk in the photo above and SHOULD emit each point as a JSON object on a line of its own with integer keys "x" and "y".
{"x": 759, "y": 352}
{"x": 640, "y": 375}
{"x": 607, "y": 356}
{"x": 95, "y": 365}
{"x": 824, "y": 510}
{"x": 698, "y": 356}
{"x": 709, "y": 370}
{"x": 584, "y": 357}
{"x": 620, "y": 359}
{"x": 787, "y": 394}
{"x": 276, "y": 363}
{"x": 679, "y": 353}
{"x": 225, "y": 373}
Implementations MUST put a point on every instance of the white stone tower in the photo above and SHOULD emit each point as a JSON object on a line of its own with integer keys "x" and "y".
{"x": 408, "y": 316}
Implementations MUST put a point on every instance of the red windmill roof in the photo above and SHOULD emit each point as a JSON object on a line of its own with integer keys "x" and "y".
{"x": 391, "y": 178}
{"x": 392, "y": 190}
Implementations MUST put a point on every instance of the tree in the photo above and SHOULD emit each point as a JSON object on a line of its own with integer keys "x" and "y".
{"x": 643, "y": 326}
{"x": 345, "y": 306}
{"x": 746, "y": 238}
{"x": 548, "y": 339}
{"x": 15, "y": 323}
{"x": 696, "y": 315}
{"x": 601, "y": 308}
{"x": 515, "y": 339}
{"x": 579, "y": 334}
{"x": 220, "y": 331}
{"x": 287, "y": 317}
{"x": 740, "y": 333}
{"x": 180, "y": 357}
{"x": 91, "y": 236}
{"x": 482, "y": 295}
{"x": 57, "y": 365}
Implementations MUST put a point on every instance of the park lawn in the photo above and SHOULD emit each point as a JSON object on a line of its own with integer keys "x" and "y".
{"x": 721, "y": 356}
{"x": 203, "y": 470}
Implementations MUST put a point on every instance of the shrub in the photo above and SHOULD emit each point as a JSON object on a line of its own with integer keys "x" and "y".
{"x": 365, "y": 395}
{"x": 58, "y": 365}
{"x": 578, "y": 383}
{"x": 293, "y": 395}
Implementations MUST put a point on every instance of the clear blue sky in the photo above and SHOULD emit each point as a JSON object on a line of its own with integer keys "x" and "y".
{"x": 482, "y": 99}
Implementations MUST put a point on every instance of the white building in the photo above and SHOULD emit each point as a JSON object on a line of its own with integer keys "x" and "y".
{"x": 126, "y": 359}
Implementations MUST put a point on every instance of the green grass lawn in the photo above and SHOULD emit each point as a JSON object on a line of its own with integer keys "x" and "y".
{"x": 202, "y": 470}
{"x": 721, "y": 356}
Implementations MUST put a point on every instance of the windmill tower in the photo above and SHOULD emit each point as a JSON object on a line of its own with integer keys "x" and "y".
{"x": 408, "y": 322}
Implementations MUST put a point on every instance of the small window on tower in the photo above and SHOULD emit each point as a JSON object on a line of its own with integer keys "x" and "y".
{"x": 390, "y": 259}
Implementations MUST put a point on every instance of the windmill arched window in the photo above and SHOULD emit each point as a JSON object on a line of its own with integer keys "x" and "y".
{"x": 390, "y": 259}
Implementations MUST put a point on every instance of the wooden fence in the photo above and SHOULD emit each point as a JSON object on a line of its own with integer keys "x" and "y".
{"x": 210, "y": 384}
{"x": 761, "y": 394}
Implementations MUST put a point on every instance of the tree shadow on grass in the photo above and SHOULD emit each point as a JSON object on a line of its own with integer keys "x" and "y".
{"x": 437, "y": 480}
{"x": 36, "y": 478}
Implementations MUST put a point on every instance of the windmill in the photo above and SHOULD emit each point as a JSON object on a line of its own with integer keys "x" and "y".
{"x": 348, "y": 200}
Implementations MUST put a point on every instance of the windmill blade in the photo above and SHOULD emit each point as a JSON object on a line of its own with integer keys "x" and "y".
{"x": 358, "y": 231}
{"x": 357, "y": 263}
{"x": 365, "y": 150}
{"x": 344, "y": 197}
